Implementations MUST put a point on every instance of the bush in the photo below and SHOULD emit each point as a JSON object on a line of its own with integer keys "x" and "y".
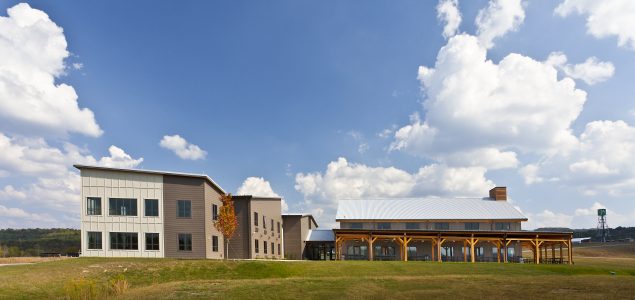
{"x": 119, "y": 285}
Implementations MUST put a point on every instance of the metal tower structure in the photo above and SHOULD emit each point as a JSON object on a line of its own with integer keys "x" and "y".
{"x": 603, "y": 227}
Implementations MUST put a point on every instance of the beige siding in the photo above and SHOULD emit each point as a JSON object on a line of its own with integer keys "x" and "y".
{"x": 239, "y": 246}
{"x": 184, "y": 188}
{"x": 212, "y": 196}
{"x": 270, "y": 209}
{"x": 293, "y": 241}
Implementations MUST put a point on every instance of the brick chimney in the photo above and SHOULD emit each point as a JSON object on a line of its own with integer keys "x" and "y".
{"x": 498, "y": 193}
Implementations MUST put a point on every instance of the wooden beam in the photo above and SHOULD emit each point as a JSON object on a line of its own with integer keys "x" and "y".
{"x": 370, "y": 247}
{"x": 537, "y": 245}
{"x": 472, "y": 242}
{"x": 433, "y": 241}
{"x": 498, "y": 251}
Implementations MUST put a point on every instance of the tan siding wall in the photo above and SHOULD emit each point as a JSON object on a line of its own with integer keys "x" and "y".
{"x": 292, "y": 237}
{"x": 184, "y": 188}
{"x": 271, "y": 210}
{"x": 212, "y": 196}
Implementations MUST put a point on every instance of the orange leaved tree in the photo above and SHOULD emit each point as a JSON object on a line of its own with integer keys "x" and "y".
{"x": 226, "y": 222}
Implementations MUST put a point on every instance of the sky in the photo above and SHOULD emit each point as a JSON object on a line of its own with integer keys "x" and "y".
{"x": 316, "y": 101}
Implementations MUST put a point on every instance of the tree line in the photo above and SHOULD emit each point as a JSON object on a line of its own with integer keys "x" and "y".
{"x": 34, "y": 242}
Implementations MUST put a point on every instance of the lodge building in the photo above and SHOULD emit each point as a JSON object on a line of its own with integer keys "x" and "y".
{"x": 140, "y": 213}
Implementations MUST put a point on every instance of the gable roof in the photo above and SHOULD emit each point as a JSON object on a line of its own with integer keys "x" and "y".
{"x": 427, "y": 209}
{"x": 203, "y": 176}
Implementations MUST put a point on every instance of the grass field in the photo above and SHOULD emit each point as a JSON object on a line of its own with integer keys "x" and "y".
{"x": 591, "y": 277}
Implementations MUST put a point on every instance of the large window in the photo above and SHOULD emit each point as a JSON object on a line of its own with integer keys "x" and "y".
{"x": 214, "y": 212}
{"x": 256, "y": 245}
{"x": 183, "y": 209}
{"x": 255, "y": 219}
{"x": 273, "y": 249}
{"x": 471, "y": 226}
{"x": 355, "y": 225}
{"x": 412, "y": 226}
{"x": 278, "y": 227}
{"x": 185, "y": 242}
{"x": 152, "y": 207}
{"x": 152, "y": 241}
{"x": 124, "y": 241}
{"x": 271, "y": 225}
{"x": 383, "y": 225}
{"x": 94, "y": 240}
{"x": 123, "y": 207}
{"x": 441, "y": 226}
{"x": 93, "y": 206}
{"x": 214, "y": 243}
{"x": 264, "y": 247}
{"x": 503, "y": 226}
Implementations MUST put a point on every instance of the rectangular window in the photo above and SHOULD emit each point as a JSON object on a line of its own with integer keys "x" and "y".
{"x": 272, "y": 249}
{"x": 471, "y": 226}
{"x": 356, "y": 225}
{"x": 152, "y": 207}
{"x": 124, "y": 240}
{"x": 279, "y": 250}
{"x": 383, "y": 225}
{"x": 185, "y": 242}
{"x": 503, "y": 226}
{"x": 271, "y": 225}
{"x": 278, "y": 227}
{"x": 412, "y": 226}
{"x": 255, "y": 219}
{"x": 256, "y": 245}
{"x": 152, "y": 241}
{"x": 215, "y": 243}
{"x": 214, "y": 212}
{"x": 264, "y": 224}
{"x": 183, "y": 209}
{"x": 264, "y": 247}
{"x": 93, "y": 206}
{"x": 94, "y": 240}
{"x": 123, "y": 207}
{"x": 442, "y": 226}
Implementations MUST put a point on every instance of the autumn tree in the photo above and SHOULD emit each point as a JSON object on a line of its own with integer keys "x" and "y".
{"x": 226, "y": 222}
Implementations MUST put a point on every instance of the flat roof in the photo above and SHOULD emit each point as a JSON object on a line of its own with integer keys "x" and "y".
{"x": 203, "y": 176}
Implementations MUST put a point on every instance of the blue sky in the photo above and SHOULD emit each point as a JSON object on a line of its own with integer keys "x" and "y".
{"x": 323, "y": 100}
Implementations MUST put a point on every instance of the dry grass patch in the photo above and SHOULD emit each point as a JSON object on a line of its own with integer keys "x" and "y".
{"x": 23, "y": 260}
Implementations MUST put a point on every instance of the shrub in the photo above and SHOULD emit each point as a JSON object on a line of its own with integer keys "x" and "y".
{"x": 82, "y": 289}
{"x": 119, "y": 285}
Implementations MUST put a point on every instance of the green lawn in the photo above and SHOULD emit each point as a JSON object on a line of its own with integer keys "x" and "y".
{"x": 176, "y": 279}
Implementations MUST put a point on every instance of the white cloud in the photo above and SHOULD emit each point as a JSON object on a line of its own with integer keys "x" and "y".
{"x": 119, "y": 159}
{"x": 258, "y": 186}
{"x": 9, "y": 192}
{"x": 362, "y": 148}
{"x": 448, "y": 12}
{"x": 32, "y": 53}
{"x": 343, "y": 180}
{"x": 547, "y": 218}
{"x": 182, "y": 148}
{"x": 585, "y": 217}
{"x": 605, "y": 18}
{"x": 479, "y": 113}
{"x": 78, "y": 66}
{"x": 592, "y": 71}
{"x": 500, "y": 17}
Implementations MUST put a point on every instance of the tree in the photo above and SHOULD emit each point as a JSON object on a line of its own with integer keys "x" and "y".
{"x": 226, "y": 222}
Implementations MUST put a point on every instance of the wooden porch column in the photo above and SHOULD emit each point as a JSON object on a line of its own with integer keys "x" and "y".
{"x": 498, "y": 251}
{"x": 560, "y": 244}
{"x": 371, "y": 240}
{"x": 472, "y": 242}
{"x": 506, "y": 245}
{"x": 570, "y": 252}
{"x": 432, "y": 241}
{"x": 537, "y": 246}
{"x": 439, "y": 250}
{"x": 405, "y": 242}
{"x": 338, "y": 251}
{"x": 553, "y": 251}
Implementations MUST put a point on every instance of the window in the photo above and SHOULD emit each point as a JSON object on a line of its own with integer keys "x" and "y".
{"x": 185, "y": 242}
{"x": 94, "y": 240}
{"x": 503, "y": 226}
{"x": 355, "y": 225}
{"x": 412, "y": 251}
{"x": 93, "y": 206}
{"x": 123, "y": 207}
{"x": 279, "y": 252}
{"x": 264, "y": 224}
{"x": 124, "y": 241}
{"x": 255, "y": 219}
{"x": 257, "y": 245}
{"x": 264, "y": 247}
{"x": 383, "y": 225}
{"x": 152, "y": 207}
{"x": 412, "y": 225}
{"x": 441, "y": 226}
{"x": 310, "y": 223}
{"x": 152, "y": 241}
{"x": 272, "y": 249}
{"x": 271, "y": 226}
{"x": 278, "y": 227}
{"x": 471, "y": 226}
{"x": 183, "y": 209}
{"x": 214, "y": 243}
{"x": 214, "y": 212}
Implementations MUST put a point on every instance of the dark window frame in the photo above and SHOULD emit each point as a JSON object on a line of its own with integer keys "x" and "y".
{"x": 214, "y": 243}
{"x": 384, "y": 225}
{"x": 182, "y": 242}
{"x": 95, "y": 244}
{"x": 124, "y": 241}
{"x": 122, "y": 207}
{"x": 92, "y": 210}
{"x": 413, "y": 225}
{"x": 154, "y": 211}
{"x": 273, "y": 249}
{"x": 503, "y": 226}
{"x": 257, "y": 246}
{"x": 154, "y": 241}
{"x": 441, "y": 226}
{"x": 264, "y": 247}
{"x": 214, "y": 212}
{"x": 184, "y": 209}
{"x": 356, "y": 225}
{"x": 472, "y": 226}
{"x": 255, "y": 219}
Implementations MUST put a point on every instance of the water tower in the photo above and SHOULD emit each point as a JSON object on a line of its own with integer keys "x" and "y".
{"x": 603, "y": 228}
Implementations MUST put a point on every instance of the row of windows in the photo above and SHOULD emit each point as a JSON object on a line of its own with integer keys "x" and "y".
{"x": 129, "y": 241}
{"x": 264, "y": 222}
{"x": 264, "y": 247}
{"x": 437, "y": 226}
{"x": 128, "y": 207}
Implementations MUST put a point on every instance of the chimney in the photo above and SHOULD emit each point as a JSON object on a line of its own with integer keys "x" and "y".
{"x": 498, "y": 193}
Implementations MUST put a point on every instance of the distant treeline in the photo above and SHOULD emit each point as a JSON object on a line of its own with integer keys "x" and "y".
{"x": 615, "y": 234}
{"x": 33, "y": 242}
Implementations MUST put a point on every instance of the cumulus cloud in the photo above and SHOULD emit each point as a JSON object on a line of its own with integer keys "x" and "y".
{"x": 482, "y": 113}
{"x": 182, "y": 148}
{"x": 32, "y": 53}
{"x": 344, "y": 180}
{"x": 499, "y": 18}
{"x": 448, "y": 12}
{"x": 605, "y": 18}
{"x": 592, "y": 71}
{"x": 119, "y": 159}
{"x": 258, "y": 186}
{"x": 9, "y": 192}
{"x": 547, "y": 218}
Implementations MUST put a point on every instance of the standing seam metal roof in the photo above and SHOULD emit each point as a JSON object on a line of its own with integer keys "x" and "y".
{"x": 427, "y": 209}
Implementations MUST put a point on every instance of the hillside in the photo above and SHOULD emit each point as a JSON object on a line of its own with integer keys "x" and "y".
{"x": 32, "y": 242}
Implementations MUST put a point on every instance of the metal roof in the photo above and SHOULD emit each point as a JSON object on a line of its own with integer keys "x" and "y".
{"x": 320, "y": 235}
{"x": 427, "y": 209}
{"x": 214, "y": 184}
